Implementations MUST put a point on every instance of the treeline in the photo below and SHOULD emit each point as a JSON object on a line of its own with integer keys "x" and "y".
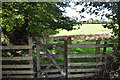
{"x": 95, "y": 22}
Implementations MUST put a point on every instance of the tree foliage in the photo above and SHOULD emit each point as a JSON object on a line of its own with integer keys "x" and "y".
{"x": 23, "y": 19}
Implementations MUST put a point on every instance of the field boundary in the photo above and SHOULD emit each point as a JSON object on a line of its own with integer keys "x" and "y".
{"x": 61, "y": 64}
{"x": 81, "y": 36}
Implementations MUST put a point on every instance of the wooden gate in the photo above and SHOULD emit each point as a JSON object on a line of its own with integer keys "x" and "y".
{"x": 50, "y": 64}
{"x": 88, "y": 64}
{"x": 64, "y": 64}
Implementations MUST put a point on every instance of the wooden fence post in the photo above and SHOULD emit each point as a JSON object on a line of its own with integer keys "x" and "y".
{"x": 104, "y": 51}
{"x": 38, "y": 57}
{"x": 97, "y": 51}
{"x": 69, "y": 41}
{"x": 30, "y": 53}
{"x": 0, "y": 54}
{"x": 104, "y": 58}
{"x": 65, "y": 59}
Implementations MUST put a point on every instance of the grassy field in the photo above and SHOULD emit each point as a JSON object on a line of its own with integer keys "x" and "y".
{"x": 85, "y": 50}
{"x": 85, "y": 29}
{"x": 79, "y": 51}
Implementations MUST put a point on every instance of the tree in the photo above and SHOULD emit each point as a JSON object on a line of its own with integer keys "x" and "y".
{"x": 20, "y": 20}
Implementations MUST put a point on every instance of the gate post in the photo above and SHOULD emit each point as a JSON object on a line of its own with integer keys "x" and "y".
{"x": 69, "y": 41}
{"x": 97, "y": 51}
{"x": 30, "y": 53}
{"x": 38, "y": 57}
{"x": 65, "y": 59}
{"x": 104, "y": 51}
{"x": 104, "y": 60}
{"x": 0, "y": 53}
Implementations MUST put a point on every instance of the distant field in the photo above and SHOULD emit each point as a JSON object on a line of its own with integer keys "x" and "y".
{"x": 85, "y": 29}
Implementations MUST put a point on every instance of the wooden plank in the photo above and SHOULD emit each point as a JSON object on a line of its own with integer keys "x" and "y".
{"x": 69, "y": 41}
{"x": 16, "y": 58}
{"x": 19, "y": 76}
{"x": 81, "y": 75}
{"x": 18, "y": 72}
{"x": 30, "y": 53}
{"x": 65, "y": 60}
{"x": 85, "y": 64}
{"x": 98, "y": 48}
{"x": 17, "y": 66}
{"x": 89, "y": 45}
{"x": 54, "y": 55}
{"x": 85, "y": 70}
{"x": 97, "y": 52}
{"x": 47, "y": 64}
{"x": 54, "y": 76}
{"x": 53, "y": 45}
{"x": 50, "y": 70}
{"x": 38, "y": 57}
{"x": 73, "y": 70}
{"x": 16, "y": 47}
{"x": 86, "y": 55}
{"x": 104, "y": 51}
{"x": 0, "y": 53}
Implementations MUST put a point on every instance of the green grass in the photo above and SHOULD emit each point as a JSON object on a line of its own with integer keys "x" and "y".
{"x": 80, "y": 51}
{"x": 85, "y": 29}
{"x": 90, "y": 50}
{"x": 83, "y": 50}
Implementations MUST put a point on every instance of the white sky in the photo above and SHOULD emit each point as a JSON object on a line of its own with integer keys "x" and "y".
{"x": 71, "y": 12}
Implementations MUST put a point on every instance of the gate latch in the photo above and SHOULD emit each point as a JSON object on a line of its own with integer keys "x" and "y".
{"x": 63, "y": 73}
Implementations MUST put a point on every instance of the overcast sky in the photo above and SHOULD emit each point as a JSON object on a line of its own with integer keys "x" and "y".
{"x": 71, "y": 12}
